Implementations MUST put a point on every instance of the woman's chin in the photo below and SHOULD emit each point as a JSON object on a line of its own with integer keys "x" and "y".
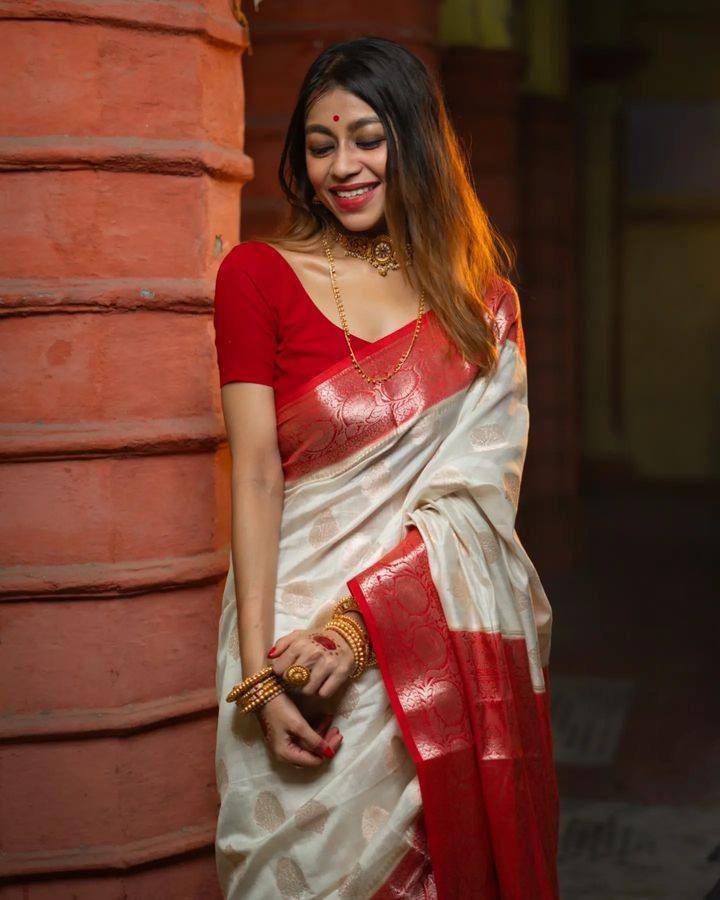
{"x": 374, "y": 222}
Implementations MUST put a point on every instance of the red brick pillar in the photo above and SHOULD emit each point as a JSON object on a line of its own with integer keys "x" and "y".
{"x": 286, "y": 38}
{"x": 120, "y": 177}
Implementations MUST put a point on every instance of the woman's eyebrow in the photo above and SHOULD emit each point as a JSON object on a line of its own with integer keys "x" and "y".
{"x": 353, "y": 126}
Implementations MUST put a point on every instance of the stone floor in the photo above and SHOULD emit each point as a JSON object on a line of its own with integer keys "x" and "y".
{"x": 635, "y": 688}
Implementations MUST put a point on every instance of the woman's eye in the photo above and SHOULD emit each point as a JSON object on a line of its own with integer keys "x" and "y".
{"x": 366, "y": 145}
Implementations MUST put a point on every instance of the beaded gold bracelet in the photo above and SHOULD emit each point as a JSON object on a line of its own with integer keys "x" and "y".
{"x": 261, "y": 699}
{"x": 346, "y": 604}
{"x": 255, "y": 690}
{"x": 351, "y": 637}
{"x": 239, "y": 689}
{"x": 354, "y": 625}
{"x": 354, "y": 635}
{"x": 349, "y": 604}
{"x": 258, "y": 697}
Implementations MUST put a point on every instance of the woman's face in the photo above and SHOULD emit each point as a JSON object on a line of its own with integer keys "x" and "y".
{"x": 346, "y": 148}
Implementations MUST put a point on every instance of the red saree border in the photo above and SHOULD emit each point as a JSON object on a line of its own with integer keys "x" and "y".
{"x": 360, "y": 353}
{"x": 337, "y": 413}
{"x": 477, "y": 731}
{"x": 412, "y": 878}
{"x": 458, "y": 840}
{"x": 344, "y": 414}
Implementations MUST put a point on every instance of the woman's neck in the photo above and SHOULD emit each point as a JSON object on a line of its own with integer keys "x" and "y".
{"x": 380, "y": 228}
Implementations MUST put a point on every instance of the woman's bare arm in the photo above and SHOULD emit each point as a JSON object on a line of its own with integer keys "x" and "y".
{"x": 257, "y": 500}
{"x": 258, "y": 486}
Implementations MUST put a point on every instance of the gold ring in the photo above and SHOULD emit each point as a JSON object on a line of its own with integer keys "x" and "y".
{"x": 297, "y": 675}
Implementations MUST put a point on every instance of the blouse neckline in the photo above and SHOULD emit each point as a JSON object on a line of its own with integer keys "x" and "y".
{"x": 296, "y": 278}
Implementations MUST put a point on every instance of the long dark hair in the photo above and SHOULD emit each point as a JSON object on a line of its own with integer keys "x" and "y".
{"x": 430, "y": 200}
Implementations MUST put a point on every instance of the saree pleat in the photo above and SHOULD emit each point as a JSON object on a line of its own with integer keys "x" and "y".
{"x": 444, "y": 785}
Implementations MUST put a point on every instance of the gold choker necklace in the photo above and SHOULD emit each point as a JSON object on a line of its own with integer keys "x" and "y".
{"x": 377, "y": 250}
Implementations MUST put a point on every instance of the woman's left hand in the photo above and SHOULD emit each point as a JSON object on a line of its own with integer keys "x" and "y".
{"x": 326, "y": 653}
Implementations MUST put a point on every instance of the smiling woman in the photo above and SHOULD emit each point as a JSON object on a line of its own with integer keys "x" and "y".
{"x": 377, "y": 583}
{"x": 366, "y": 133}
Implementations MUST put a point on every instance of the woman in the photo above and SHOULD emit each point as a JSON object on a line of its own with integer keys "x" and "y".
{"x": 373, "y": 386}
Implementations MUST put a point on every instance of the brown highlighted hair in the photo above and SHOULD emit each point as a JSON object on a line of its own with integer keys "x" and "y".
{"x": 430, "y": 198}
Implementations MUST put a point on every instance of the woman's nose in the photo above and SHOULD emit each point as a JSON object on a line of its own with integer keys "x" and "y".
{"x": 345, "y": 163}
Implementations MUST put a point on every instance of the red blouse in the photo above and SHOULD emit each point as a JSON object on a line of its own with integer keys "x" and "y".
{"x": 268, "y": 330}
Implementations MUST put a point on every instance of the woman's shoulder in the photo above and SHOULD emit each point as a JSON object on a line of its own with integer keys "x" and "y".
{"x": 501, "y": 297}
{"x": 502, "y": 300}
{"x": 254, "y": 267}
{"x": 252, "y": 256}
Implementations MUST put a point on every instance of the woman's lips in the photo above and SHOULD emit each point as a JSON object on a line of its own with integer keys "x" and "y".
{"x": 348, "y": 204}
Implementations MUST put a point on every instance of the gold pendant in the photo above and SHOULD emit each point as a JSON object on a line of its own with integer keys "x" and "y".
{"x": 378, "y": 250}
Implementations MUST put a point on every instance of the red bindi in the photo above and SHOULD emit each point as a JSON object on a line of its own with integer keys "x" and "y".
{"x": 336, "y": 117}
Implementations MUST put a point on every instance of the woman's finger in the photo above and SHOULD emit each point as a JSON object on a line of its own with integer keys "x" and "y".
{"x": 337, "y": 679}
{"x": 319, "y": 671}
{"x": 293, "y": 753}
{"x": 311, "y": 741}
{"x": 324, "y": 724}
{"x": 281, "y": 644}
{"x": 330, "y": 732}
{"x": 282, "y": 664}
{"x": 334, "y": 738}
{"x": 332, "y": 684}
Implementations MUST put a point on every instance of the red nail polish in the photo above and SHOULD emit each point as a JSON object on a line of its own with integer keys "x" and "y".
{"x": 329, "y": 752}
{"x": 271, "y": 651}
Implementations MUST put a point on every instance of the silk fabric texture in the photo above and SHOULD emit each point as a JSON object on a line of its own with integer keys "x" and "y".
{"x": 404, "y": 493}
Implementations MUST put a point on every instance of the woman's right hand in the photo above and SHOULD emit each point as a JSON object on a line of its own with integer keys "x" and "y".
{"x": 289, "y": 736}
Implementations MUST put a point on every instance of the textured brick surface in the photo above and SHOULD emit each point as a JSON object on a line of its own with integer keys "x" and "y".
{"x": 121, "y": 163}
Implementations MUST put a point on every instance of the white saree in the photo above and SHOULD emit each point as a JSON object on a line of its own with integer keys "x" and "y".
{"x": 404, "y": 493}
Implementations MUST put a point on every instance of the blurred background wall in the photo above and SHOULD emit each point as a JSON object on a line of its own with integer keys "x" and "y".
{"x": 141, "y": 142}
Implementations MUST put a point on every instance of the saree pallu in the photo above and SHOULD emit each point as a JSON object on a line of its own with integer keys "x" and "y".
{"x": 405, "y": 494}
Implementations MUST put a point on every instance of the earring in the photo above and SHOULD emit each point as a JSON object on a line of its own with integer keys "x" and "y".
{"x": 316, "y": 199}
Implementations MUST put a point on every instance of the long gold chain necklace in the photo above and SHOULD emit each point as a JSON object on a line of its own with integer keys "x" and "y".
{"x": 371, "y": 379}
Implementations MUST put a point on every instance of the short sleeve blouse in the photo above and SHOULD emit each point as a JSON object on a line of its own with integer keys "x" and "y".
{"x": 267, "y": 329}
{"x": 246, "y": 325}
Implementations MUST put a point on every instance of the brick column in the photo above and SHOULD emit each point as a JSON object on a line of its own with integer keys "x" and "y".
{"x": 121, "y": 171}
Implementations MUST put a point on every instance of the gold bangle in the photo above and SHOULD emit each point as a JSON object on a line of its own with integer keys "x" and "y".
{"x": 352, "y": 632}
{"x": 349, "y": 604}
{"x": 358, "y": 630}
{"x": 346, "y": 604}
{"x": 248, "y": 682}
{"x": 356, "y": 646}
{"x": 351, "y": 623}
{"x": 262, "y": 699}
{"x": 348, "y": 626}
{"x": 269, "y": 679}
{"x": 258, "y": 690}
{"x": 263, "y": 690}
